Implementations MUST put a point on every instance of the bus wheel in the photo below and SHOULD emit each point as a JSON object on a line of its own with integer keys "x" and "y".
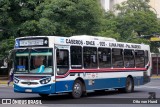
{"x": 129, "y": 85}
{"x": 77, "y": 89}
{"x": 44, "y": 95}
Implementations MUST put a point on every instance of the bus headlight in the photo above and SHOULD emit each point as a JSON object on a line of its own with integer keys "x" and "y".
{"x": 16, "y": 81}
{"x": 45, "y": 81}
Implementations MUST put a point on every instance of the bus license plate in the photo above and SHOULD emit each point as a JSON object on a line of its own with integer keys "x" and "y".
{"x": 28, "y": 90}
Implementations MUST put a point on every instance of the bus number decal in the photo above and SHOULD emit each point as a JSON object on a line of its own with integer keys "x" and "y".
{"x": 102, "y": 43}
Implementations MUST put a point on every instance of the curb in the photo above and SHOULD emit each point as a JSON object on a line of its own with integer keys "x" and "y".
{"x": 155, "y": 76}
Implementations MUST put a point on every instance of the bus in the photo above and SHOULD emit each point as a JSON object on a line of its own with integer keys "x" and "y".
{"x": 78, "y": 64}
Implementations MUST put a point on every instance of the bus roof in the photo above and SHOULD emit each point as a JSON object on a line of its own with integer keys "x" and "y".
{"x": 81, "y": 40}
{"x": 93, "y": 38}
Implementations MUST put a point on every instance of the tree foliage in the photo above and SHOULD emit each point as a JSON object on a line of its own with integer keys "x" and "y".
{"x": 136, "y": 16}
{"x": 70, "y": 17}
{"x": 5, "y": 46}
{"x": 49, "y": 17}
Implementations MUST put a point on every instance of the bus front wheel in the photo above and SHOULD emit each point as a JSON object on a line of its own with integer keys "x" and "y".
{"x": 77, "y": 89}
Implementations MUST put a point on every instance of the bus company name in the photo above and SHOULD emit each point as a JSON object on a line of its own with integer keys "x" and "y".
{"x": 120, "y": 45}
{"x": 90, "y": 43}
{"x": 124, "y": 45}
{"x": 133, "y": 46}
{"x": 79, "y": 42}
{"x": 70, "y": 41}
{"x": 116, "y": 45}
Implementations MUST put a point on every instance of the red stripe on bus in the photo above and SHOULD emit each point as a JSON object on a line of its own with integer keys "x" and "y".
{"x": 101, "y": 70}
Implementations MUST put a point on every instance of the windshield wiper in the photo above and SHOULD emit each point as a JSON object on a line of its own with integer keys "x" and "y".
{"x": 21, "y": 50}
{"x": 35, "y": 50}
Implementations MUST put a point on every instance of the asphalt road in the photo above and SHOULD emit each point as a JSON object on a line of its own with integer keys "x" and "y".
{"x": 93, "y": 99}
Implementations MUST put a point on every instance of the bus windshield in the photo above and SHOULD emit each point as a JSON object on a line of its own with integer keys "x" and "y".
{"x": 33, "y": 61}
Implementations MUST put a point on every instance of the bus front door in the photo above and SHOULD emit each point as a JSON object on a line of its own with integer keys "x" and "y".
{"x": 61, "y": 66}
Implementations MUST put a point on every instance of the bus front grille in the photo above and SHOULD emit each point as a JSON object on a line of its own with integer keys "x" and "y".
{"x": 30, "y": 83}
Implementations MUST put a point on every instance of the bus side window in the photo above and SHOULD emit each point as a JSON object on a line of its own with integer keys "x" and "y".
{"x": 62, "y": 59}
{"x": 104, "y": 57}
{"x": 129, "y": 58}
{"x": 117, "y": 58}
{"x": 140, "y": 58}
{"x": 76, "y": 57}
{"x": 90, "y": 57}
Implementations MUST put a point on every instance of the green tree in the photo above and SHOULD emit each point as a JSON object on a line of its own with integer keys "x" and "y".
{"x": 14, "y": 14}
{"x": 136, "y": 16}
{"x": 70, "y": 17}
{"x": 109, "y": 26}
{"x": 48, "y": 17}
{"x": 5, "y": 46}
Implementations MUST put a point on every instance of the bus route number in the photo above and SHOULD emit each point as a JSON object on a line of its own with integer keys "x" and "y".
{"x": 102, "y": 43}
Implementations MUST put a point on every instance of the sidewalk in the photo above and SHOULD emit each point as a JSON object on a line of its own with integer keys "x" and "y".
{"x": 4, "y": 83}
{"x": 155, "y": 76}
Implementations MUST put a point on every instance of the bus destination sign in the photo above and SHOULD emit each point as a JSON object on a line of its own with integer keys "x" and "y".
{"x": 34, "y": 42}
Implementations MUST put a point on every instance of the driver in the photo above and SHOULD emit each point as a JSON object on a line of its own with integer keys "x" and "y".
{"x": 38, "y": 63}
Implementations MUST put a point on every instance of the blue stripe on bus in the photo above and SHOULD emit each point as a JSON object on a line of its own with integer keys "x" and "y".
{"x": 66, "y": 86}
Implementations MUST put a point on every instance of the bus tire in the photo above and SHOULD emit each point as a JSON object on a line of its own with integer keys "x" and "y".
{"x": 77, "y": 90}
{"x": 129, "y": 86}
{"x": 44, "y": 95}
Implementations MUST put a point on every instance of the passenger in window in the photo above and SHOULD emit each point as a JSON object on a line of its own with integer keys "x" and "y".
{"x": 86, "y": 63}
{"x": 127, "y": 65}
{"x": 127, "y": 62}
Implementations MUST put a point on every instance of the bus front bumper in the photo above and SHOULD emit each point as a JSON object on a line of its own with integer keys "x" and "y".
{"x": 46, "y": 89}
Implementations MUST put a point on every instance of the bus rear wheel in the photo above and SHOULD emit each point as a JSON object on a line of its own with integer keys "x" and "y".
{"x": 129, "y": 87}
{"x": 77, "y": 90}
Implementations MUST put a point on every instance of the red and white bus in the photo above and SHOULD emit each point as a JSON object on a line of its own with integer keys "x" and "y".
{"x": 50, "y": 64}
